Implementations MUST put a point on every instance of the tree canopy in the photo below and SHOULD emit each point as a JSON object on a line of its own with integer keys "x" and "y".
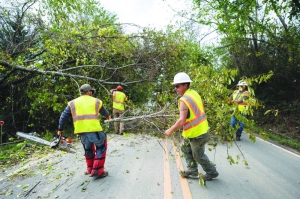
{"x": 258, "y": 37}
{"x": 49, "y": 48}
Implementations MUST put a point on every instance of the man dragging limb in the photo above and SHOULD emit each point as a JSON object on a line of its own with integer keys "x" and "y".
{"x": 195, "y": 129}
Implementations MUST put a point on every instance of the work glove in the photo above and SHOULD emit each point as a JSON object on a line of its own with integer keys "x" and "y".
{"x": 59, "y": 132}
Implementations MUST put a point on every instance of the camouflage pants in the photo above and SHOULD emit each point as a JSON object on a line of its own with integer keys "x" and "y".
{"x": 193, "y": 150}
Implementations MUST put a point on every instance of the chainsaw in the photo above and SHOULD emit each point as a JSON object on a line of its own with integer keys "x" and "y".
{"x": 60, "y": 141}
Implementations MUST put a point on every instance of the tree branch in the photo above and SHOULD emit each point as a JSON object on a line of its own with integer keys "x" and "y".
{"x": 54, "y": 73}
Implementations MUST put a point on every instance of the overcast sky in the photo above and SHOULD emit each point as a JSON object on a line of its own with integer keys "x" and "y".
{"x": 153, "y": 13}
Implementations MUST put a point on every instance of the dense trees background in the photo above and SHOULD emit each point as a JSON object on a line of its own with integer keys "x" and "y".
{"x": 50, "y": 47}
{"x": 257, "y": 37}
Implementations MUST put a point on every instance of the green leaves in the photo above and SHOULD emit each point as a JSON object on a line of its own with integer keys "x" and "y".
{"x": 275, "y": 112}
{"x": 201, "y": 180}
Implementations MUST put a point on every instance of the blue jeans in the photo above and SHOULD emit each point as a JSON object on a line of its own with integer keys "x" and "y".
{"x": 233, "y": 122}
{"x": 95, "y": 146}
{"x": 88, "y": 139}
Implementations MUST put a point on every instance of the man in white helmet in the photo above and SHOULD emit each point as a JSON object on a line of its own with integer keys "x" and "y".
{"x": 241, "y": 97}
{"x": 192, "y": 119}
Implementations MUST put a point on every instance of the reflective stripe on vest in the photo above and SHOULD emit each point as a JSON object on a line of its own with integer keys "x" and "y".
{"x": 199, "y": 117}
{"x": 237, "y": 95}
{"x": 85, "y": 113}
{"x": 197, "y": 123}
{"x": 118, "y": 100}
{"x": 84, "y": 117}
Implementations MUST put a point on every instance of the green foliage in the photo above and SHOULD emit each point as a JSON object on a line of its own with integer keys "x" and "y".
{"x": 77, "y": 42}
{"x": 12, "y": 154}
{"x": 284, "y": 140}
{"x": 213, "y": 87}
{"x": 255, "y": 39}
{"x": 80, "y": 42}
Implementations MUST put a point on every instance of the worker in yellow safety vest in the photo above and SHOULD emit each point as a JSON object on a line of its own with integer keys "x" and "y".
{"x": 119, "y": 99}
{"x": 85, "y": 114}
{"x": 193, "y": 120}
{"x": 241, "y": 97}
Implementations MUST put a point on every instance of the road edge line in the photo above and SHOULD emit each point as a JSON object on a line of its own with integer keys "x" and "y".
{"x": 278, "y": 147}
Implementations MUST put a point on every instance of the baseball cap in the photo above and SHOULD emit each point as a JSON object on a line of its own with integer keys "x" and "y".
{"x": 86, "y": 87}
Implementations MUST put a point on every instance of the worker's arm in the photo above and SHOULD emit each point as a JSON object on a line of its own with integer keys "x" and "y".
{"x": 180, "y": 122}
{"x": 104, "y": 112}
{"x": 243, "y": 100}
{"x": 63, "y": 117}
{"x": 112, "y": 91}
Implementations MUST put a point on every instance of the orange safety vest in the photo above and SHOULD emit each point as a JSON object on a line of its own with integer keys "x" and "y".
{"x": 237, "y": 95}
{"x": 85, "y": 113}
{"x": 197, "y": 123}
{"x": 118, "y": 100}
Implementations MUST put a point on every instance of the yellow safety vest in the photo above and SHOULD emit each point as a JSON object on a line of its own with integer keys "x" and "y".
{"x": 237, "y": 95}
{"x": 118, "y": 100}
{"x": 197, "y": 123}
{"x": 85, "y": 113}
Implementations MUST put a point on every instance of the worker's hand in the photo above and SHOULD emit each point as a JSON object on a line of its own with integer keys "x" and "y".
{"x": 59, "y": 132}
{"x": 108, "y": 117}
{"x": 239, "y": 101}
{"x": 112, "y": 90}
{"x": 168, "y": 132}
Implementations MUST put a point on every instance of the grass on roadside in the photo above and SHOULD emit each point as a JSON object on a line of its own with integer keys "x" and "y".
{"x": 20, "y": 152}
{"x": 278, "y": 138}
{"x": 284, "y": 140}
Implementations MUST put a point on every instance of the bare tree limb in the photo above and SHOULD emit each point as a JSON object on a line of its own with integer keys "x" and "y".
{"x": 34, "y": 70}
{"x": 28, "y": 192}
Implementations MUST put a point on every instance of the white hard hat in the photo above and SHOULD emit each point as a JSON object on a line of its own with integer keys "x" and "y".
{"x": 242, "y": 83}
{"x": 181, "y": 78}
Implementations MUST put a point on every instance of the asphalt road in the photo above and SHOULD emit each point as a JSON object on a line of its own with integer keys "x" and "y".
{"x": 142, "y": 166}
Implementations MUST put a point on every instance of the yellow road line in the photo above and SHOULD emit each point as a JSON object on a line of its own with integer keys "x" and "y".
{"x": 183, "y": 181}
{"x": 186, "y": 192}
{"x": 167, "y": 175}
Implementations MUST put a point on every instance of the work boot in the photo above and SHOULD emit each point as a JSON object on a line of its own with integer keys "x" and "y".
{"x": 208, "y": 177}
{"x": 104, "y": 174}
{"x": 187, "y": 174}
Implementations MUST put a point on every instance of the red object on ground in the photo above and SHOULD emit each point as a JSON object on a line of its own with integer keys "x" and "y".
{"x": 69, "y": 141}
